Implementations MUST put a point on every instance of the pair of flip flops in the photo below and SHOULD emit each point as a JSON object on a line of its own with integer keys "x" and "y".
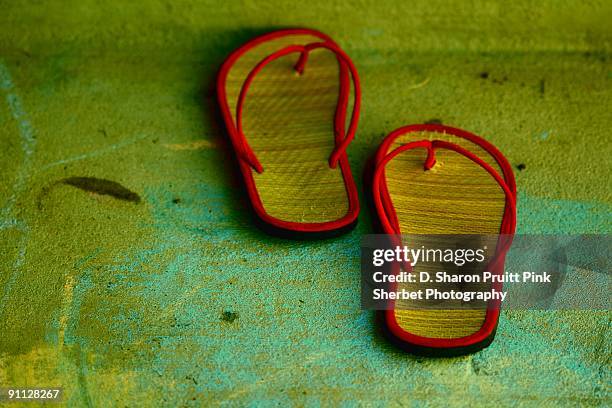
{"x": 290, "y": 100}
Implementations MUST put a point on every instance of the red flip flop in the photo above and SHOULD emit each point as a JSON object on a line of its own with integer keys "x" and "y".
{"x": 434, "y": 179}
{"x": 284, "y": 98}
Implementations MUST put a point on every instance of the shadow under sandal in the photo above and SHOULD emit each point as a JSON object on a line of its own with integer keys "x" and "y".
{"x": 430, "y": 180}
{"x": 285, "y": 98}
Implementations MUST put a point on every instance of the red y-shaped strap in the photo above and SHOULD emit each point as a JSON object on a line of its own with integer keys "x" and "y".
{"x": 431, "y": 146}
{"x": 392, "y": 226}
{"x": 341, "y": 144}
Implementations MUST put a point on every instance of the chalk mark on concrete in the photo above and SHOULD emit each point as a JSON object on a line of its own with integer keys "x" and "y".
{"x": 82, "y": 376}
{"x": 66, "y": 306}
{"x": 272, "y": 377}
{"x": 28, "y": 144}
{"x": 12, "y": 223}
{"x": 420, "y": 84}
{"x": 26, "y": 133}
{"x": 181, "y": 300}
{"x": 68, "y": 319}
{"x": 94, "y": 153}
{"x": 70, "y": 307}
{"x": 195, "y": 145}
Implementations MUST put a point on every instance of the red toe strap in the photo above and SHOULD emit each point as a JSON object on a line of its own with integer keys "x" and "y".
{"x": 389, "y": 225}
{"x": 342, "y": 141}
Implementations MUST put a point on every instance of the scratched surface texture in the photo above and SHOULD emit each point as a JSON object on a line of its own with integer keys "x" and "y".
{"x": 132, "y": 273}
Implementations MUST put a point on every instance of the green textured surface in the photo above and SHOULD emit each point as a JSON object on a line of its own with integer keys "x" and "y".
{"x": 177, "y": 299}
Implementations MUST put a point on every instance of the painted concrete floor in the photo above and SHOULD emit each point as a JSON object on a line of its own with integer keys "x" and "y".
{"x": 164, "y": 293}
